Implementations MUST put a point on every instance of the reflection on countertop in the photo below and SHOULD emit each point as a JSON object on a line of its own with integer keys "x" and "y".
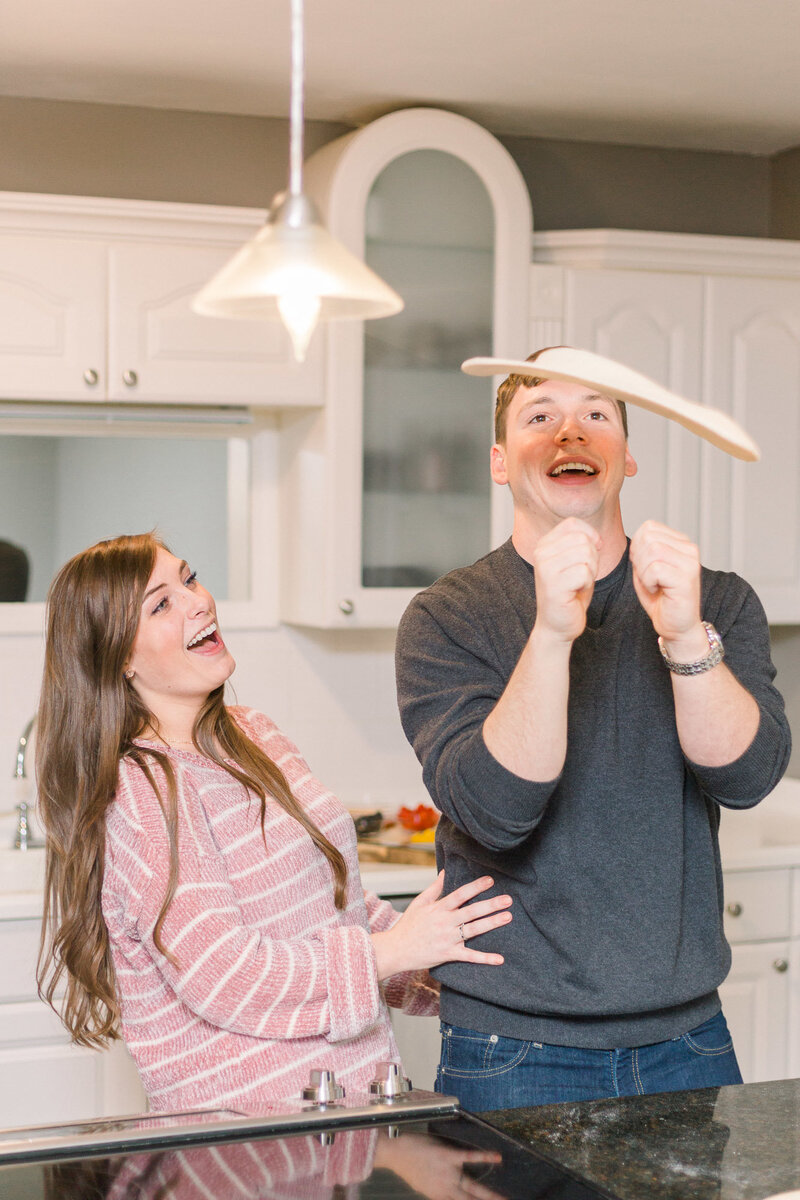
{"x": 730, "y": 1143}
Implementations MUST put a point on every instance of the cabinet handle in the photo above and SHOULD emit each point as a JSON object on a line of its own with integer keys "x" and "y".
{"x": 347, "y": 607}
{"x": 130, "y": 378}
{"x": 781, "y": 965}
{"x": 91, "y": 377}
{"x": 734, "y": 909}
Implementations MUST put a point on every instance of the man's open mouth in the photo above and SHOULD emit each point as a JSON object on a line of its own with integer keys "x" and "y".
{"x": 571, "y": 468}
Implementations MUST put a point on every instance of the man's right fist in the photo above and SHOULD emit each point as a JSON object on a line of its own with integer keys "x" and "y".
{"x": 565, "y": 564}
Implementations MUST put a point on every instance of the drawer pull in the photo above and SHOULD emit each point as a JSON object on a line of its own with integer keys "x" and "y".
{"x": 781, "y": 965}
{"x": 734, "y": 909}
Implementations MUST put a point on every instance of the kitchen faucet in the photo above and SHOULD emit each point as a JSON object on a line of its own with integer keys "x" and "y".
{"x": 23, "y": 839}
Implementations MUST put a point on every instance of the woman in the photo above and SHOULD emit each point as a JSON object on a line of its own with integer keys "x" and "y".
{"x": 203, "y": 899}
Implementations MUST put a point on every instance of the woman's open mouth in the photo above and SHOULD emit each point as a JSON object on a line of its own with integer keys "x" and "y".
{"x": 206, "y": 640}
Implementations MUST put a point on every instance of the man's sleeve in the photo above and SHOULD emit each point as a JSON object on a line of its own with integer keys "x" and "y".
{"x": 447, "y": 684}
{"x": 737, "y": 613}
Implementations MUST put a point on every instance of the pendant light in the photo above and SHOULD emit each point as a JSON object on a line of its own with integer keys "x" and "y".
{"x": 293, "y": 269}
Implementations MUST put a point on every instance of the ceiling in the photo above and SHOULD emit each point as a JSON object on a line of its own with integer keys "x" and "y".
{"x": 699, "y": 74}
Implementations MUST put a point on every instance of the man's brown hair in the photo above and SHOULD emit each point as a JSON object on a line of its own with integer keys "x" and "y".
{"x": 511, "y": 384}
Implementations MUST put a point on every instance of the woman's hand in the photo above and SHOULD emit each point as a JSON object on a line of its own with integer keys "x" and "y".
{"x": 435, "y": 929}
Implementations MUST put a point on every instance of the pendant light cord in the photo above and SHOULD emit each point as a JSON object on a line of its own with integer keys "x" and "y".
{"x": 296, "y": 103}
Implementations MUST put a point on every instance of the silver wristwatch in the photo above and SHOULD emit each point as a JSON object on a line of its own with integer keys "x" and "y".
{"x": 716, "y": 653}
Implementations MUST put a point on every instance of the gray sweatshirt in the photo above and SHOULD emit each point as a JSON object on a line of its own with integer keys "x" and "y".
{"x": 617, "y": 936}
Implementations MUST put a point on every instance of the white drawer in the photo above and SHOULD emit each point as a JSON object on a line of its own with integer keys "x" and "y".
{"x": 32, "y": 1022}
{"x": 757, "y": 905}
{"x": 19, "y": 949}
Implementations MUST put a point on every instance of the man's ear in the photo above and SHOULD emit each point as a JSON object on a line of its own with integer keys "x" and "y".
{"x": 498, "y": 463}
{"x": 630, "y": 464}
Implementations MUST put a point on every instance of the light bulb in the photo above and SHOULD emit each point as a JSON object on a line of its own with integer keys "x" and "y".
{"x": 299, "y": 312}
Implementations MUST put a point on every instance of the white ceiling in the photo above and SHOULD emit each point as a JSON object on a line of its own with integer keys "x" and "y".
{"x": 700, "y": 74}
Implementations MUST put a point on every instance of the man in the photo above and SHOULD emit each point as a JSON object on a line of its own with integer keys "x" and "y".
{"x": 578, "y": 730}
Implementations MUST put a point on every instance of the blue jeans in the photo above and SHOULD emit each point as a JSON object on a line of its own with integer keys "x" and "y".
{"x": 487, "y": 1071}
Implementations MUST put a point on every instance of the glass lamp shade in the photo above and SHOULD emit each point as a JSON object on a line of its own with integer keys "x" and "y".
{"x": 295, "y": 271}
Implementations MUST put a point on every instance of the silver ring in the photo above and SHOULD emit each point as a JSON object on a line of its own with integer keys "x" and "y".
{"x": 461, "y": 931}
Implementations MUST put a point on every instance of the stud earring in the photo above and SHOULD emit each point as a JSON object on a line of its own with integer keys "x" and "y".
{"x": 130, "y": 674}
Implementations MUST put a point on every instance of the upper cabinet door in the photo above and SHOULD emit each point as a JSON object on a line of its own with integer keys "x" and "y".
{"x": 389, "y": 487}
{"x": 161, "y": 351}
{"x": 652, "y": 322}
{"x": 95, "y": 299}
{"x": 52, "y": 318}
{"x": 751, "y": 511}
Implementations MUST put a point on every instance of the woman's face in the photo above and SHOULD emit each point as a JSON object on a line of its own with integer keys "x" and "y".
{"x": 178, "y": 656}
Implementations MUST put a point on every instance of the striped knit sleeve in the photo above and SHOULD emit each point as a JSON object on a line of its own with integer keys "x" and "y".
{"x": 228, "y": 973}
{"x": 415, "y": 992}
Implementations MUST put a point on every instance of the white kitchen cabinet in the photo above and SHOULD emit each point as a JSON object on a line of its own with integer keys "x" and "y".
{"x": 45, "y": 1078}
{"x": 716, "y": 320}
{"x": 388, "y": 486}
{"x": 757, "y": 996}
{"x": 751, "y": 511}
{"x": 755, "y": 999}
{"x": 94, "y": 307}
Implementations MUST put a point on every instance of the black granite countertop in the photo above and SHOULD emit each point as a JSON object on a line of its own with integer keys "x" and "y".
{"x": 730, "y": 1143}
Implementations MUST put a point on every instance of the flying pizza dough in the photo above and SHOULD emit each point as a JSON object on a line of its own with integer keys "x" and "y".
{"x": 613, "y": 379}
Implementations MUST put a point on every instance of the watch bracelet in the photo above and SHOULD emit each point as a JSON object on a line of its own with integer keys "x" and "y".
{"x": 716, "y": 653}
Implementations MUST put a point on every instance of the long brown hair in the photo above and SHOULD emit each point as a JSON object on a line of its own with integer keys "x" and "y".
{"x": 89, "y": 715}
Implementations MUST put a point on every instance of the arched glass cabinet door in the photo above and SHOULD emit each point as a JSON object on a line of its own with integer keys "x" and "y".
{"x": 425, "y": 500}
{"x": 388, "y": 487}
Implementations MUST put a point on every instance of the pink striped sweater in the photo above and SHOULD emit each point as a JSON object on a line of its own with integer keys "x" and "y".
{"x": 271, "y": 978}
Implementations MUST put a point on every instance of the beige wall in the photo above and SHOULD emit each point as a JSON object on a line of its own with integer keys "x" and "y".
{"x": 73, "y": 149}
{"x": 585, "y": 185}
{"x": 785, "y": 194}
{"x": 212, "y": 158}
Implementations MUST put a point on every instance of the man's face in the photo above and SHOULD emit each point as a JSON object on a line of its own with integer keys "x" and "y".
{"x": 565, "y": 454}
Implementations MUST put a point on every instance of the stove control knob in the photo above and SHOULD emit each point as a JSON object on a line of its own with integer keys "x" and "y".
{"x": 323, "y": 1088}
{"x": 389, "y": 1081}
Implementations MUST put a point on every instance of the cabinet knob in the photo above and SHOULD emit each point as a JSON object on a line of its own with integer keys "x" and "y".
{"x": 91, "y": 377}
{"x": 734, "y": 909}
{"x": 347, "y": 607}
{"x": 130, "y": 378}
{"x": 781, "y": 965}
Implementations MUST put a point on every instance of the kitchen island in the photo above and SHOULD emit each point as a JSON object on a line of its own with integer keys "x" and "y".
{"x": 730, "y": 1143}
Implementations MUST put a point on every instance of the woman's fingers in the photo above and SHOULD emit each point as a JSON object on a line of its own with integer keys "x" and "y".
{"x": 476, "y": 928}
{"x": 468, "y": 891}
{"x": 479, "y": 956}
{"x": 434, "y": 890}
{"x": 483, "y": 908}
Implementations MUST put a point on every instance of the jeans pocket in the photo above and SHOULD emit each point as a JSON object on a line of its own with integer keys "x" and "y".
{"x": 710, "y": 1038}
{"x": 466, "y": 1053}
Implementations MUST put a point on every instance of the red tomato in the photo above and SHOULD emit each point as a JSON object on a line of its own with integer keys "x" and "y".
{"x": 421, "y": 817}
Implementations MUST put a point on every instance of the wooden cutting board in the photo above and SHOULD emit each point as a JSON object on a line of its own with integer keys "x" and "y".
{"x": 422, "y": 855}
